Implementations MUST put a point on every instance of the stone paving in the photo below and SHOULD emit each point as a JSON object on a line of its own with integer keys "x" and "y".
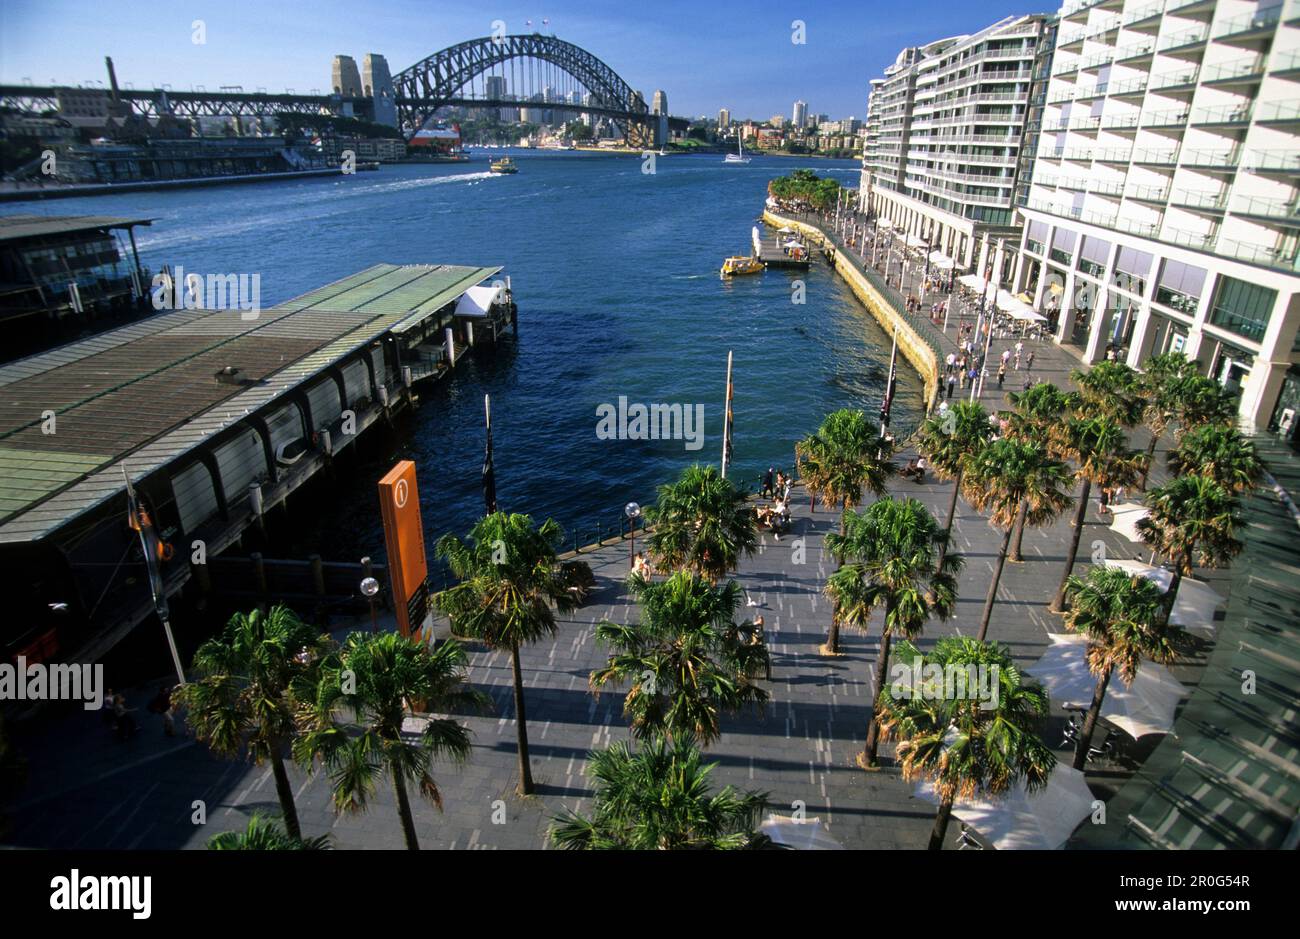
{"x": 88, "y": 792}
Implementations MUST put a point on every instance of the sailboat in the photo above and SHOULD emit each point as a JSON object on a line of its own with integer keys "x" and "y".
{"x": 738, "y": 158}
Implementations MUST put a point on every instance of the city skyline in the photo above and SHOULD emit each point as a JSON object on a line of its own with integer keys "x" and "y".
{"x": 753, "y": 68}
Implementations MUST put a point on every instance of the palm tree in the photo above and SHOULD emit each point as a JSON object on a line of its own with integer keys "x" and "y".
{"x": 379, "y": 679}
{"x": 1201, "y": 400}
{"x": 1219, "y": 452}
{"x": 687, "y": 660}
{"x": 510, "y": 589}
{"x": 1014, "y": 479}
{"x": 962, "y": 744}
{"x": 701, "y": 522}
{"x": 1112, "y": 390}
{"x": 894, "y": 564}
{"x": 1099, "y": 447}
{"x": 1159, "y": 386}
{"x": 1039, "y": 418}
{"x": 242, "y": 692}
{"x": 846, "y": 456}
{"x": 949, "y": 440}
{"x": 1191, "y": 520}
{"x": 1120, "y": 613}
{"x": 659, "y": 798}
{"x": 262, "y": 834}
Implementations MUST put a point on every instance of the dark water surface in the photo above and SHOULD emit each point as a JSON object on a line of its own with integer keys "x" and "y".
{"x": 616, "y": 275}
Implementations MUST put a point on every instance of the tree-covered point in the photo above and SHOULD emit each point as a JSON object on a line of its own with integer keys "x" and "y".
{"x": 805, "y": 186}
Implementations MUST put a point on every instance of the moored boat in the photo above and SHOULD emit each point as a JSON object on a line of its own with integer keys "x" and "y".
{"x": 741, "y": 264}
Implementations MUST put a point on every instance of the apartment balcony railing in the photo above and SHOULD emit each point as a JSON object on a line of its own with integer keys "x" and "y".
{"x": 1221, "y": 158}
{"x": 1174, "y": 6}
{"x": 1096, "y": 91}
{"x": 1261, "y": 207}
{"x": 1172, "y": 117}
{"x": 1135, "y": 51}
{"x": 1247, "y": 23}
{"x": 1223, "y": 114}
{"x": 1277, "y": 111}
{"x": 1163, "y": 156}
{"x": 1133, "y": 226}
{"x": 1195, "y": 35}
{"x": 1285, "y": 160}
{"x": 1199, "y": 199}
{"x": 1285, "y": 62}
{"x": 1123, "y": 122}
{"x": 1174, "y": 79}
{"x": 1148, "y": 193}
{"x": 1202, "y": 241}
{"x": 1102, "y": 188}
{"x": 1144, "y": 13}
{"x": 1248, "y": 68}
{"x": 1108, "y": 155}
{"x": 1128, "y": 86}
{"x": 1080, "y": 6}
{"x": 1258, "y": 254}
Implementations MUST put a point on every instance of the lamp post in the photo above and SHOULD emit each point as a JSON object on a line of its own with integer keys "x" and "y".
{"x": 370, "y": 590}
{"x": 633, "y": 512}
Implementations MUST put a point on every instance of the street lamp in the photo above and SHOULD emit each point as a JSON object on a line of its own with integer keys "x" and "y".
{"x": 633, "y": 512}
{"x": 370, "y": 589}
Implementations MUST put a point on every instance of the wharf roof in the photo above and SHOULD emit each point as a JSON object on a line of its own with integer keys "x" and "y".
{"x": 20, "y": 227}
{"x": 143, "y": 395}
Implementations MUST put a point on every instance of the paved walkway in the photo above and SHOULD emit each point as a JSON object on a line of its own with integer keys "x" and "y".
{"x": 89, "y": 792}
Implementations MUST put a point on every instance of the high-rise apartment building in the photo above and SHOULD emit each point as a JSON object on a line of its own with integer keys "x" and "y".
{"x": 799, "y": 115}
{"x": 1164, "y": 210}
{"x": 944, "y": 134}
{"x": 724, "y": 119}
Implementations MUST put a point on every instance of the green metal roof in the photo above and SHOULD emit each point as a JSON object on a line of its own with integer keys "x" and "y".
{"x": 1228, "y": 776}
{"x": 145, "y": 394}
{"x": 18, "y": 227}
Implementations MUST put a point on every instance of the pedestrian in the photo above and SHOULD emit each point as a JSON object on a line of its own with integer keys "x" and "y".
{"x": 767, "y": 483}
{"x": 951, "y": 360}
{"x": 1103, "y": 500}
{"x": 973, "y": 375}
{"x": 1006, "y": 356}
{"x": 162, "y": 705}
{"x": 1002, "y": 374}
{"x": 1019, "y": 348}
{"x": 952, "y": 380}
{"x": 1029, "y": 359}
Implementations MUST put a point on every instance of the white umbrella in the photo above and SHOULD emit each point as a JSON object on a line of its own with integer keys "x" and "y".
{"x": 792, "y": 243}
{"x": 785, "y": 230}
{"x": 804, "y": 834}
{"x": 1020, "y": 820}
{"x": 1144, "y": 707}
{"x": 1124, "y": 519}
{"x": 1196, "y": 601}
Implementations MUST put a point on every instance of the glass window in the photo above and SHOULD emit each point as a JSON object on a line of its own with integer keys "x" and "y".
{"x": 1132, "y": 267}
{"x": 1063, "y": 242}
{"x": 1242, "y": 307}
{"x": 1092, "y": 256}
{"x": 1179, "y": 286}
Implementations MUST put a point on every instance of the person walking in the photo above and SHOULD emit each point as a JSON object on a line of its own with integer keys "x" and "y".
{"x": 952, "y": 380}
{"x": 1029, "y": 359}
{"x": 1002, "y": 374}
{"x": 1019, "y": 348}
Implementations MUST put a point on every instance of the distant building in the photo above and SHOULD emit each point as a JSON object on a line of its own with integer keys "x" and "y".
{"x": 346, "y": 80}
{"x": 494, "y": 87}
{"x": 377, "y": 85}
{"x": 799, "y": 117}
{"x": 659, "y": 105}
{"x": 724, "y": 119}
{"x": 84, "y": 107}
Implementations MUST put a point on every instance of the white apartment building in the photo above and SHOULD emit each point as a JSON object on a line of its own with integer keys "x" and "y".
{"x": 1163, "y": 211}
{"x": 945, "y": 129}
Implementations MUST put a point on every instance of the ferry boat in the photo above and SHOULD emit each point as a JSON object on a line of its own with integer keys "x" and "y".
{"x": 741, "y": 264}
{"x": 504, "y": 165}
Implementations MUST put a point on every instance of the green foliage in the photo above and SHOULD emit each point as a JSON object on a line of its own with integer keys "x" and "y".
{"x": 952, "y": 438}
{"x": 1219, "y": 452}
{"x": 845, "y": 456}
{"x": 1009, "y": 472}
{"x": 1192, "y": 520}
{"x": 1112, "y": 390}
{"x": 805, "y": 186}
{"x": 701, "y": 523}
{"x": 659, "y": 798}
{"x": 1121, "y": 614}
{"x": 263, "y": 834}
{"x": 687, "y": 661}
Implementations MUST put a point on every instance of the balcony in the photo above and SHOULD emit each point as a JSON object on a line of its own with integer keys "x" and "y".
{"x": 1278, "y": 210}
{"x": 1221, "y": 159}
{"x": 1127, "y": 122}
{"x": 1183, "y": 78}
{"x": 1139, "y": 51}
{"x": 1250, "y": 26}
{"x": 1114, "y": 155}
{"x": 1201, "y": 241}
{"x": 1245, "y": 70}
{"x": 1285, "y": 64}
{"x": 1157, "y": 157}
{"x": 1278, "y": 112}
{"x": 1272, "y": 161}
{"x": 1228, "y": 114}
{"x": 1148, "y": 193}
{"x": 1174, "y": 117}
{"x": 1185, "y": 39}
{"x": 1206, "y": 200}
{"x": 1129, "y": 86}
{"x": 1149, "y": 14}
{"x": 1258, "y": 254}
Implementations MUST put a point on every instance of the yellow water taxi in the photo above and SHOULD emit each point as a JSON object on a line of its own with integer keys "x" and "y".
{"x": 504, "y": 165}
{"x": 741, "y": 265}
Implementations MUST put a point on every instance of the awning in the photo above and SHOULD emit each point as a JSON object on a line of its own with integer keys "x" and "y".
{"x": 973, "y": 281}
{"x": 915, "y": 241}
{"x": 1124, "y": 519}
{"x": 884, "y": 223}
{"x": 1196, "y": 601}
{"x": 1018, "y": 819}
{"x": 941, "y": 261}
{"x": 478, "y": 300}
{"x": 805, "y": 834}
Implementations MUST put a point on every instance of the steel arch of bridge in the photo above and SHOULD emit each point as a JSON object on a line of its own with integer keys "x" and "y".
{"x": 436, "y": 81}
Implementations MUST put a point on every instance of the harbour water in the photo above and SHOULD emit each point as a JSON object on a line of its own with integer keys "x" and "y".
{"x": 616, "y": 274}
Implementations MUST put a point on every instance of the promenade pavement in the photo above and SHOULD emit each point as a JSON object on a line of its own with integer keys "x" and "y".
{"x": 87, "y": 791}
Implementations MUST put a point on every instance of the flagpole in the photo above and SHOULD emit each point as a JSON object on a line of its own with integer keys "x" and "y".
{"x": 726, "y": 421}
{"x": 889, "y": 396}
{"x": 154, "y": 575}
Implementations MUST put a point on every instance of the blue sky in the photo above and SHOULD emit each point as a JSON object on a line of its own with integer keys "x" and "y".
{"x": 705, "y": 54}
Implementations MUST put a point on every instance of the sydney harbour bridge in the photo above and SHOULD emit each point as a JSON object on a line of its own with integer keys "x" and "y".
{"x": 516, "y": 72}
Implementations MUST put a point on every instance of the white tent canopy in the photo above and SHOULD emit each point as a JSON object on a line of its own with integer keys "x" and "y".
{"x": 1020, "y": 820}
{"x": 973, "y": 281}
{"x": 477, "y": 300}
{"x": 805, "y": 834}
{"x": 1196, "y": 601}
{"x": 941, "y": 261}
{"x": 1144, "y": 707}
{"x": 1124, "y": 519}
{"x": 884, "y": 223}
{"x": 915, "y": 241}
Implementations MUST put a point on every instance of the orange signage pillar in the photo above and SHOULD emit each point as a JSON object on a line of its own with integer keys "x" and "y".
{"x": 408, "y": 570}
